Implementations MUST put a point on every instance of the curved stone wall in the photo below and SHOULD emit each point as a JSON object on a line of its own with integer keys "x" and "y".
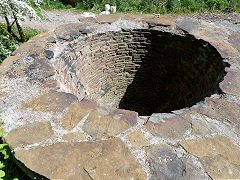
{"x": 147, "y": 71}
{"x": 58, "y": 90}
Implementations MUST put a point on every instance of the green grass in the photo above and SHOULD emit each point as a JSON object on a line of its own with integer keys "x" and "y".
{"x": 29, "y": 32}
{"x": 50, "y": 4}
{"x": 149, "y": 6}
{"x": 7, "y": 42}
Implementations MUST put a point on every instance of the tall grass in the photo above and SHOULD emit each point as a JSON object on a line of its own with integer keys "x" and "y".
{"x": 148, "y": 6}
{"x": 55, "y": 4}
{"x": 161, "y": 6}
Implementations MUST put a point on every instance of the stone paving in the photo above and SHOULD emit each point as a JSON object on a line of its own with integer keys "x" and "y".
{"x": 59, "y": 136}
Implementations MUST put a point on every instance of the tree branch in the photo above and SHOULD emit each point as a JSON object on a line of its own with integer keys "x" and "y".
{"x": 19, "y": 27}
{"x": 7, "y": 21}
{"x": 9, "y": 29}
{"x": 20, "y": 30}
{"x": 13, "y": 23}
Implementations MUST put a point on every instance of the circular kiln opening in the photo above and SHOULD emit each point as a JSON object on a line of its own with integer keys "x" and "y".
{"x": 146, "y": 71}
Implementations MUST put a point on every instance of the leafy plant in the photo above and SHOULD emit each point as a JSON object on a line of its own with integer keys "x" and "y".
{"x": 8, "y": 169}
{"x": 55, "y": 4}
{"x": 4, "y": 152}
{"x": 216, "y": 4}
{"x": 160, "y": 6}
{"x": 14, "y": 10}
{"x": 8, "y": 44}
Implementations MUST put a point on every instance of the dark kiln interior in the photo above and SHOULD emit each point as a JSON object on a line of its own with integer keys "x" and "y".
{"x": 142, "y": 70}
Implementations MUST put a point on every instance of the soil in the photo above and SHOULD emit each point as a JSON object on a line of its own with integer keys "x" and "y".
{"x": 233, "y": 18}
{"x": 53, "y": 19}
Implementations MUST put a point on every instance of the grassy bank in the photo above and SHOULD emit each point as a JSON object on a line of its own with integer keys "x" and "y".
{"x": 150, "y": 6}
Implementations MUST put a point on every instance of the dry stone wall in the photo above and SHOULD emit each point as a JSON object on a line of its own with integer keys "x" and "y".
{"x": 54, "y": 88}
